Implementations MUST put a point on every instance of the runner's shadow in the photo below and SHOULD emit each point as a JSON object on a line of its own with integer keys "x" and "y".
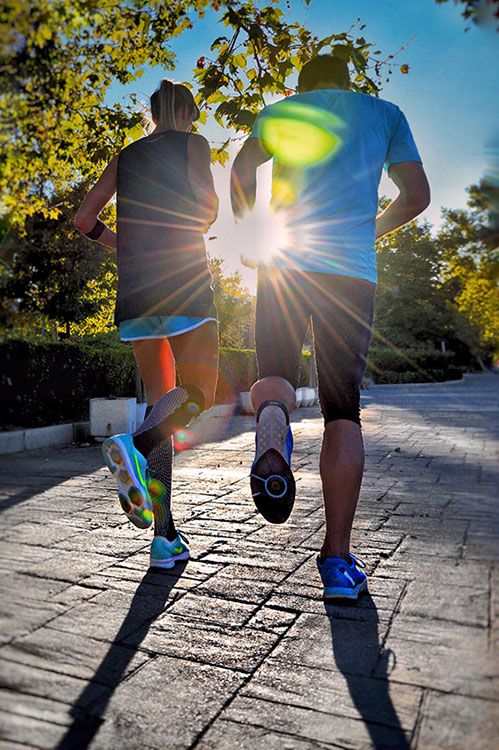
{"x": 147, "y": 604}
{"x": 358, "y": 656}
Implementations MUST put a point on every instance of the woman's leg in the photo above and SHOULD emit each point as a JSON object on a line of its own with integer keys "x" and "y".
{"x": 196, "y": 355}
{"x": 157, "y": 366}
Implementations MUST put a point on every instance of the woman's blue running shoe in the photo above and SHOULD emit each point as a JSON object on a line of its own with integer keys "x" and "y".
{"x": 342, "y": 579}
{"x": 272, "y": 482}
{"x": 165, "y": 554}
{"x": 131, "y": 473}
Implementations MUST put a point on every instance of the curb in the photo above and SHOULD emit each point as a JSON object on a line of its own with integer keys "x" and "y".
{"x": 415, "y": 385}
{"x": 43, "y": 437}
{"x": 17, "y": 441}
{"x": 467, "y": 378}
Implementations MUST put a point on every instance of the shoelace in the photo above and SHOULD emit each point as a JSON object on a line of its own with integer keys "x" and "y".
{"x": 358, "y": 561}
{"x": 183, "y": 537}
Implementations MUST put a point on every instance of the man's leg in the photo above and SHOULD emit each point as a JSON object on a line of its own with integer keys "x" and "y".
{"x": 127, "y": 460}
{"x": 342, "y": 324}
{"x": 196, "y": 356}
{"x": 273, "y": 388}
{"x": 342, "y": 334}
{"x": 155, "y": 361}
{"x": 341, "y": 468}
{"x": 281, "y": 324}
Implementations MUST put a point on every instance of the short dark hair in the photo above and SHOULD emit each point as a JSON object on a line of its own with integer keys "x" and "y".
{"x": 323, "y": 69}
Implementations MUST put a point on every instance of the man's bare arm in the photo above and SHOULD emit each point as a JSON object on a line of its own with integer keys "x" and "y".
{"x": 413, "y": 198}
{"x": 243, "y": 176}
{"x": 93, "y": 203}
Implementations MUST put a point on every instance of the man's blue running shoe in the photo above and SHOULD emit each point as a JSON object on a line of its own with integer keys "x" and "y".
{"x": 165, "y": 554}
{"x": 342, "y": 579}
{"x": 131, "y": 473}
{"x": 272, "y": 482}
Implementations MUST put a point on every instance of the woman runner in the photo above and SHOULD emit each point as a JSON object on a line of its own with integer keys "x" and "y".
{"x": 166, "y": 201}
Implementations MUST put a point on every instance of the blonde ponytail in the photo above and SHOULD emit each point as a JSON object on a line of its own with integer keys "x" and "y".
{"x": 163, "y": 106}
{"x": 166, "y": 101}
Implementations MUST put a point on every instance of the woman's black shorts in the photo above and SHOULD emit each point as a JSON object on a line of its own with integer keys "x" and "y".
{"x": 340, "y": 309}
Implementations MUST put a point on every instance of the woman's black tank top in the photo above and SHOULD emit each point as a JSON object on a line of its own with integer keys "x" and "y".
{"x": 162, "y": 265}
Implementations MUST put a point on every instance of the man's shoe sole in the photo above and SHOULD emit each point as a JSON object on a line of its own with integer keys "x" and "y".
{"x": 273, "y": 487}
{"x": 133, "y": 496}
{"x": 334, "y": 593}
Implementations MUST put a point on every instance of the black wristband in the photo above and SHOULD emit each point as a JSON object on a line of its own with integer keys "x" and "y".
{"x": 96, "y": 231}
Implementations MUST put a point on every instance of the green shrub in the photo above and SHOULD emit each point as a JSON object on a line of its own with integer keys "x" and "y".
{"x": 45, "y": 383}
{"x": 431, "y": 376}
{"x": 304, "y": 369}
{"x": 427, "y": 363}
{"x": 237, "y": 372}
{"x": 389, "y": 376}
{"x": 49, "y": 382}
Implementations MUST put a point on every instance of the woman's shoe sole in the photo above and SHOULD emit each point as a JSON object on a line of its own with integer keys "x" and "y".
{"x": 170, "y": 562}
{"x": 133, "y": 496}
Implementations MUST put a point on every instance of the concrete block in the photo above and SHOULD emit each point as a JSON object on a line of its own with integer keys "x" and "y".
{"x": 245, "y": 403}
{"x": 222, "y": 410}
{"x": 11, "y": 442}
{"x": 140, "y": 413}
{"x": 110, "y": 416}
{"x": 44, "y": 437}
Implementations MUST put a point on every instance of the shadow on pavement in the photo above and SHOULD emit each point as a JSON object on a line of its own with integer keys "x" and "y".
{"x": 37, "y": 471}
{"x": 147, "y": 604}
{"x": 356, "y": 650}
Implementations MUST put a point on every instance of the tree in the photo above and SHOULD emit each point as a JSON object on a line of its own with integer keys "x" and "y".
{"x": 59, "y": 59}
{"x": 54, "y": 272}
{"x": 235, "y": 307}
{"x": 476, "y": 11}
{"x": 411, "y": 304}
{"x": 470, "y": 269}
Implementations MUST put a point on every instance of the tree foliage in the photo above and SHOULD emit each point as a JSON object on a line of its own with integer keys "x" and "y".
{"x": 59, "y": 58}
{"x": 54, "y": 272}
{"x": 475, "y": 11}
{"x": 470, "y": 269}
{"x": 258, "y": 53}
{"x": 410, "y": 306}
{"x": 235, "y": 307}
{"x": 443, "y": 285}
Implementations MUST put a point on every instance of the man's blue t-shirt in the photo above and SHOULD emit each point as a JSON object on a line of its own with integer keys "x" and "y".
{"x": 329, "y": 148}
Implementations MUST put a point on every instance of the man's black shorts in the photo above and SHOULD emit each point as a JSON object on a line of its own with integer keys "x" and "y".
{"x": 340, "y": 309}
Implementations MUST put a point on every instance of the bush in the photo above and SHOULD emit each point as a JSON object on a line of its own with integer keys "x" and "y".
{"x": 415, "y": 365}
{"x": 45, "y": 383}
{"x": 237, "y": 372}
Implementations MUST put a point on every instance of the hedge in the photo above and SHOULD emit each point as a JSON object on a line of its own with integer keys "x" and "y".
{"x": 46, "y": 383}
{"x": 49, "y": 382}
{"x": 415, "y": 365}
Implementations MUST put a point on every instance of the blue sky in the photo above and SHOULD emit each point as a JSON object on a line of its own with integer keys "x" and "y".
{"x": 450, "y": 96}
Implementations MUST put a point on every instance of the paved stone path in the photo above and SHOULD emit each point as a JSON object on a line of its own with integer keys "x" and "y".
{"x": 237, "y": 650}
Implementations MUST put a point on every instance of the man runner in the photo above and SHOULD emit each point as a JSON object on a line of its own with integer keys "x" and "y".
{"x": 328, "y": 145}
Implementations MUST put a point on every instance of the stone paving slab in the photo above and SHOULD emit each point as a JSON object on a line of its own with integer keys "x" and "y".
{"x": 236, "y": 649}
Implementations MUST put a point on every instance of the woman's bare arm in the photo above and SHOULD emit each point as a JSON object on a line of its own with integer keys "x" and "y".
{"x": 93, "y": 203}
